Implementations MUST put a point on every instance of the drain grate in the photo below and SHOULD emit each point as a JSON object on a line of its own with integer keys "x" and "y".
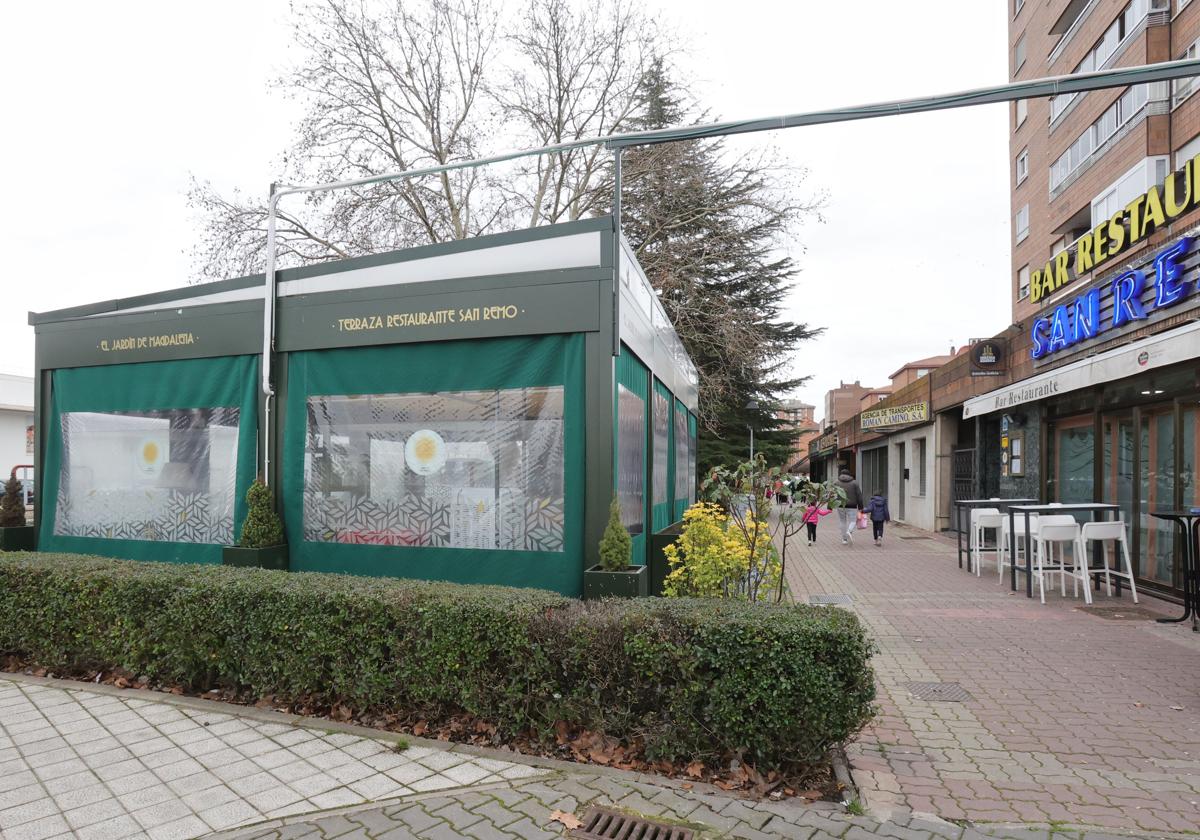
{"x": 825, "y": 600}
{"x": 942, "y": 692}
{"x": 607, "y": 824}
{"x": 916, "y": 537}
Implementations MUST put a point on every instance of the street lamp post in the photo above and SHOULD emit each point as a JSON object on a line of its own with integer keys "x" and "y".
{"x": 751, "y": 405}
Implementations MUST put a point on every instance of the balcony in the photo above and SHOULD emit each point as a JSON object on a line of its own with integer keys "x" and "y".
{"x": 1158, "y": 101}
{"x": 1061, "y": 106}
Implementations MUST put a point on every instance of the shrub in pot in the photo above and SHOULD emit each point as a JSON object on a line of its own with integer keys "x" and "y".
{"x": 262, "y": 541}
{"x": 15, "y": 535}
{"x": 614, "y": 576}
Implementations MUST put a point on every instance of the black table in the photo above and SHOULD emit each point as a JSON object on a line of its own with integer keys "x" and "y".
{"x": 1189, "y": 527}
{"x": 1096, "y": 509}
{"x": 970, "y": 504}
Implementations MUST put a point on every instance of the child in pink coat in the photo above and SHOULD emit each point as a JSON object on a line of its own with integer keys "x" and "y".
{"x": 812, "y": 515}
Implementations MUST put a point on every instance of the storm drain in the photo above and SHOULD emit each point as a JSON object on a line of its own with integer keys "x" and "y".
{"x": 606, "y": 824}
{"x": 943, "y": 692}
{"x": 825, "y": 600}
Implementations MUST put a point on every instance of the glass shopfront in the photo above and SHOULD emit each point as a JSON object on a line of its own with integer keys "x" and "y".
{"x": 1132, "y": 443}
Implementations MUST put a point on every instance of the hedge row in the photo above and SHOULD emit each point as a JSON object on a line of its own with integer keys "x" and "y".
{"x": 689, "y": 678}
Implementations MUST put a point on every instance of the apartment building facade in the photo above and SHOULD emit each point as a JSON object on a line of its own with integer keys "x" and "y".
{"x": 1078, "y": 159}
{"x": 1097, "y": 393}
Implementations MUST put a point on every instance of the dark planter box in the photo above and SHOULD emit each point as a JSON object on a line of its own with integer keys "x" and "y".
{"x": 631, "y": 583}
{"x": 659, "y": 567}
{"x": 271, "y": 557}
{"x": 17, "y": 538}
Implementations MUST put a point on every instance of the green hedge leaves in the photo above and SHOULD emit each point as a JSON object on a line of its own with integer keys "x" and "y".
{"x": 775, "y": 685}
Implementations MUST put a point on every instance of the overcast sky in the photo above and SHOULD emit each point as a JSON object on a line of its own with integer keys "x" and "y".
{"x": 110, "y": 108}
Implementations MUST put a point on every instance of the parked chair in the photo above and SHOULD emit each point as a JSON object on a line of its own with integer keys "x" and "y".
{"x": 982, "y": 521}
{"x": 1060, "y": 531}
{"x": 1002, "y": 558}
{"x": 1103, "y": 533}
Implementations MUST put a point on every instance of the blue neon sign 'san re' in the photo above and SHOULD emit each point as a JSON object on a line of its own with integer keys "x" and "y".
{"x": 1079, "y": 320}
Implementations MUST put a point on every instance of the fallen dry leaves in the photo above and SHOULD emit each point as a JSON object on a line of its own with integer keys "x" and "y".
{"x": 569, "y": 820}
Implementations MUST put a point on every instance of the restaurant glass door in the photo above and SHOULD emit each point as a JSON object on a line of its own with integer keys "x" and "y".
{"x": 1189, "y": 444}
{"x": 1118, "y": 481}
{"x": 1070, "y": 475}
{"x": 1156, "y": 546}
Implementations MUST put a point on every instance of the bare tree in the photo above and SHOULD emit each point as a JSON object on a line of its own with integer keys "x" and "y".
{"x": 576, "y": 74}
{"x": 410, "y": 83}
{"x": 390, "y": 89}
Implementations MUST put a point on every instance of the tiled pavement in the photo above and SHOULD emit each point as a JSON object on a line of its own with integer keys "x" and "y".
{"x": 1072, "y": 717}
{"x": 77, "y": 763}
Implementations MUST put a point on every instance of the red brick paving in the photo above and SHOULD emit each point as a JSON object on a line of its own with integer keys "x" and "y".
{"x": 1073, "y": 717}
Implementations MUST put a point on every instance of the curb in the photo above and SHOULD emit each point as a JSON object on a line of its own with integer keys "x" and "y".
{"x": 841, "y": 772}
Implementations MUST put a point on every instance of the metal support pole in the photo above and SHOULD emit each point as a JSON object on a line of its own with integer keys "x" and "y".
{"x": 616, "y": 213}
{"x": 268, "y": 331}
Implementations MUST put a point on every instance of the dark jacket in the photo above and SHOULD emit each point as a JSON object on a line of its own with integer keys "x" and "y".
{"x": 878, "y": 509}
{"x": 854, "y": 497}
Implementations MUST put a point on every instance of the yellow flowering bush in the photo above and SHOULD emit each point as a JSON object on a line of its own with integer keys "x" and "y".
{"x": 711, "y": 559}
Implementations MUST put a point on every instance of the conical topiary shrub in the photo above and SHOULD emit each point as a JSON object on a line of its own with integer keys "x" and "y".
{"x": 12, "y": 505}
{"x": 262, "y": 527}
{"x": 616, "y": 545}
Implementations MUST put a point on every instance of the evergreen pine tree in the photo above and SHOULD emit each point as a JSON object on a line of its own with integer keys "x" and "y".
{"x": 12, "y": 505}
{"x": 616, "y": 545}
{"x": 705, "y": 226}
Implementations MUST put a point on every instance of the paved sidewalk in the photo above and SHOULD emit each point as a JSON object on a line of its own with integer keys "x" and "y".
{"x": 1071, "y": 717}
{"x": 95, "y": 761}
{"x": 78, "y": 763}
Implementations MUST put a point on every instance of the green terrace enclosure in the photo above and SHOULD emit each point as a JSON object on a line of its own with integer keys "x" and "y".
{"x": 462, "y": 412}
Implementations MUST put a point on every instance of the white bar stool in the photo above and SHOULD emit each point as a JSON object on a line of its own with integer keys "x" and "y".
{"x": 1061, "y": 531}
{"x": 1002, "y": 559}
{"x": 1104, "y": 533}
{"x": 982, "y": 521}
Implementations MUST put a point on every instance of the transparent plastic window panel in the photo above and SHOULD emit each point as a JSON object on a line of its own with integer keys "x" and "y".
{"x": 681, "y": 455}
{"x": 662, "y": 420}
{"x": 631, "y": 459}
{"x": 166, "y": 476}
{"x": 463, "y": 469}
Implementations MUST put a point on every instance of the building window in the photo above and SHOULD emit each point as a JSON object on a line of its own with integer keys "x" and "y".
{"x": 922, "y": 471}
{"x": 682, "y": 491}
{"x": 631, "y": 459}
{"x": 165, "y": 475}
{"x": 1181, "y": 89}
{"x": 1139, "y": 178}
{"x": 456, "y": 469}
{"x": 1022, "y": 223}
{"x": 1179, "y": 6}
{"x": 1187, "y": 151}
{"x": 662, "y": 437}
{"x": 1022, "y": 111}
{"x": 1105, "y": 47}
{"x": 1019, "y": 54}
{"x": 1023, "y": 283}
{"x": 1020, "y": 4}
{"x": 1098, "y": 133}
{"x": 1022, "y": 165}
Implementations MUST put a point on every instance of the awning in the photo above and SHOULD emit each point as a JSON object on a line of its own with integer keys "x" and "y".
{"x": 1168, "y": 348}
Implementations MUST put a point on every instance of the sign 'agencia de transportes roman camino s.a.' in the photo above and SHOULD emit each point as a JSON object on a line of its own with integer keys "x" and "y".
{"x": 1079, "y": 320}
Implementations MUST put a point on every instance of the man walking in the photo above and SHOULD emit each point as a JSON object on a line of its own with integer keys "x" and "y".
{"x": 848, "y": 513}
